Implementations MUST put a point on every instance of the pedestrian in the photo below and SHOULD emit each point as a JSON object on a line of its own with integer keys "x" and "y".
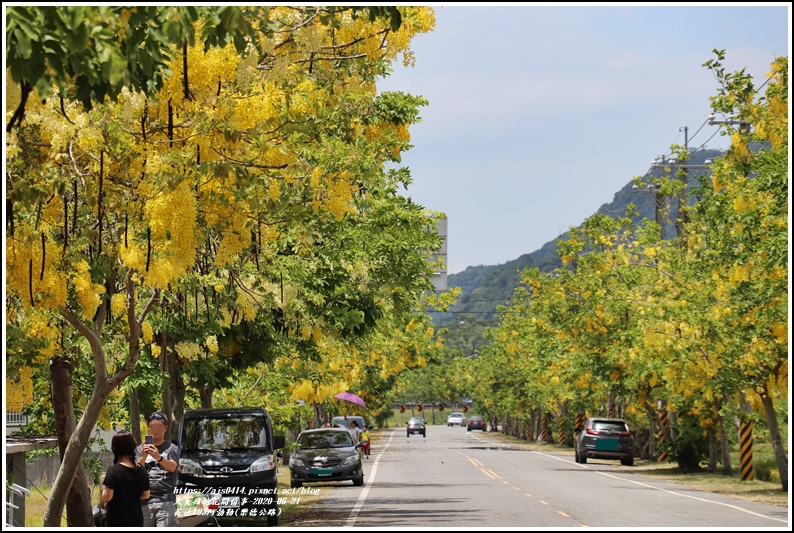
{"x": 365, "y": 438}
{"x": 125, "y": 485}
{"x": 161, "y": 459}
{"x": 354, "y": 431}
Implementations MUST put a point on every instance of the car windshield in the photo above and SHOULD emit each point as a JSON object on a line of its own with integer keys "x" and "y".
{"x": 416, "y": 420}
{"x": 325, "y": 439}
{"x": 226, "y": 433}
{"x": 609, "y": 426}
{"x": 476, "y": 419}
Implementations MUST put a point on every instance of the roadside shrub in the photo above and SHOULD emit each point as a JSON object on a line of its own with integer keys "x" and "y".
{"x": 766, "y": 470}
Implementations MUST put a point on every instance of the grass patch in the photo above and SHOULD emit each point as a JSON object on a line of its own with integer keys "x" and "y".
{"x": 297, "y": 504}
{"x": 37, "y": 502}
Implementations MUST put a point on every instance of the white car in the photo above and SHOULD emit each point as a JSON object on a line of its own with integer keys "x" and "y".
{"x": 456, "y": 419}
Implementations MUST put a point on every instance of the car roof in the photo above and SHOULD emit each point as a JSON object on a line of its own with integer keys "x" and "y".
{"x": 323, "y": 430}
{"x": 456, "y": 414}
{"x": 606, "y": 419}
{"x": 225, "y": 412}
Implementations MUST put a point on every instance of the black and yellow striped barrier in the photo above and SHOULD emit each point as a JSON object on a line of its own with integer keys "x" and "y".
{"x": 746, "y": 451}
{"x": 580, "y": 419}
{"x": 561, "y": 429}
{"x": 544, "y": 429}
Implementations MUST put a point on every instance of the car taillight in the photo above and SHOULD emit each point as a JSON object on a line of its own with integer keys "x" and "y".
{"x": 591, "y": 432}
{"x": 626, "y": 433}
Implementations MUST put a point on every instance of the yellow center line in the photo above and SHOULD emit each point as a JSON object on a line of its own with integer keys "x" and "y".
{"x": 475, "y": 462}
{"x": 516, "y": 488}
{"x": 544, "y": 503}
{"x": 563, "y": 514}
{"x": 486, "y": 472}
{"x": 527, "y": 494}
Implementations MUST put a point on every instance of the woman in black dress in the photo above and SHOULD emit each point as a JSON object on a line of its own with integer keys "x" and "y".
{"x": 125, "y": 484}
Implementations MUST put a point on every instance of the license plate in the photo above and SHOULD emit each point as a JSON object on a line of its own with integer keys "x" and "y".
{"x": 321, "y": 471}
{"x": 609, "y": 445}
{"x": 230, "y": 501}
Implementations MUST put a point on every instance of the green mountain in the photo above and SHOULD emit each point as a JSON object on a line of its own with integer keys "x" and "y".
{"x": 485, "y": 287}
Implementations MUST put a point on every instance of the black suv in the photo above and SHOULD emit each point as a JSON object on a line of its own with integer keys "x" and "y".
{"x": 231, "y": 452}
{"x": 605, "y": 438}
{"x": 416, "y": 424}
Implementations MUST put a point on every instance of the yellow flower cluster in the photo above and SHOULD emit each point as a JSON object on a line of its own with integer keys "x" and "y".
{"x": 188, "y": 351}
{"x": 172, "y": 220}
{"x": 118, "y": 305}
{"x": 211, "y": 343}
{"x": 88, "y": 293}
{"x": 147, "y": 332}
{"x": 19, "y": 390}
{"x": 23, "y": 265}
{"x": 235, "y": 238}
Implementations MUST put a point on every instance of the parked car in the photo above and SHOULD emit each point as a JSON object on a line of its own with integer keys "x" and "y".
{"x": 456, "y": 419}
{"x": 230, "y": 451}
{"x": 326, "y": 454}
{"x": 605, "y": 438}
{"x": 476, "y": 422}
{"x": 416, "y": 424}
{"x": 340, "y": 421}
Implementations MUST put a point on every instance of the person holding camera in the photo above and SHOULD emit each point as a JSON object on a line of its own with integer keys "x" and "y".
{"x": 125, "y": 485}
{"x": 161, "y": 458}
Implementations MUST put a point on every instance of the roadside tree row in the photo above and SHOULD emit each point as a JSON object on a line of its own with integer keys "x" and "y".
{"x": 695, "y": 327}
{"x": 198, "y": 197}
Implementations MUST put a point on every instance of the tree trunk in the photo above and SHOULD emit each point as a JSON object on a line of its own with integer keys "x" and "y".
{"x": 712, "y": 436}
{"x": 173, "y": 387}
{"x": 78, "y": 501}
{"x": 205, "y": 394}
{"x": 727, "y": 469}
{"x": 135, "y": 416}
{"x": 320, "y": 415}
{"x": 103, "y": 386}
{"x": 777, "y": 441}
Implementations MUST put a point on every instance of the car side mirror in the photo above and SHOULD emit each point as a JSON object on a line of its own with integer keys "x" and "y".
{"x": 278, "y": 442}
{"x": 577, "y": 430}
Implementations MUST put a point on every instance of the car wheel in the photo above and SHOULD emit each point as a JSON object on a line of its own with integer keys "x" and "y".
{"x": 583, "y": 459}
{"x": 424, "y": 434}
{"x": 628, "y": 461}
{"x": 575, "y": 456}
{"x": 296, "y": 484}
{"x": 359, "y": 481}
{"x": 409, "y": 435}
{"x": 468, "y": 429}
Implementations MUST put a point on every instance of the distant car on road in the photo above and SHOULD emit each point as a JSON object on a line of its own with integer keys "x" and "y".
{"x": 326, "y": 454}
{"x": 416, "y": 424}
{"x": 456, "y": 419}
{"x": 476, "y": 422}
{"x": 605, "y": 438}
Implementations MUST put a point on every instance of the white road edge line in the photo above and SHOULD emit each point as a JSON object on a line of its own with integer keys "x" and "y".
{"x": 363, "y": 496}
{"x": 670, "y": 491}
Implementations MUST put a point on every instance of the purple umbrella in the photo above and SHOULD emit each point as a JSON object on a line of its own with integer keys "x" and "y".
{"x": 350, "y": 397}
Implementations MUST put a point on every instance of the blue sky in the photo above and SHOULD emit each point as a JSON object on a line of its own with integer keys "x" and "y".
{"x": 539, "y": 114}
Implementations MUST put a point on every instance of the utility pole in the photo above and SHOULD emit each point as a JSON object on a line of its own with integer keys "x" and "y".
{"x": 681, "y": 217}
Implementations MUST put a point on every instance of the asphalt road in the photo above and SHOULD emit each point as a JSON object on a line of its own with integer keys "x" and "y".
{"x": 454, "y": 478}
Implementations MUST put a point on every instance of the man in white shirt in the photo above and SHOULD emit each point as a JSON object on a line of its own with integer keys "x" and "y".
{"x": 354, "y": 431}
